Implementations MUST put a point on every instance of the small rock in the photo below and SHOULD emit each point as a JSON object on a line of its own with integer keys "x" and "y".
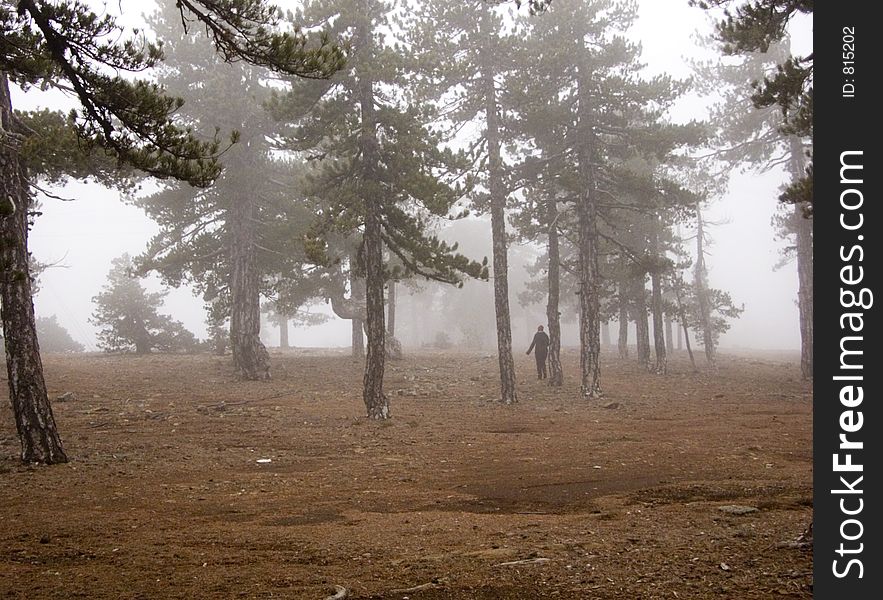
{"x": 725, "y": 567}
{"x": 737, "y": 509}
{"x": 610, "y": 405}
{"x": 66, "y": 397}
{"x": 44, "y": 539}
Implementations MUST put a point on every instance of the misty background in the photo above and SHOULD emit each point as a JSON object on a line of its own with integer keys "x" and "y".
{"x": 79, "y": 237}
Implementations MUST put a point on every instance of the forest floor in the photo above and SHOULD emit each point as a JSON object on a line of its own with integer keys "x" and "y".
{"x": 184, "y": 483}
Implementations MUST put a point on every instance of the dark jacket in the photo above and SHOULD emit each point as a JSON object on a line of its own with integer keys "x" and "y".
{"x": 541, "y": 341}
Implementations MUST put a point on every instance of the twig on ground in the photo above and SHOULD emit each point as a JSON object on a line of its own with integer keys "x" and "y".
{"x": 340, "y": 593}
{"x": 526, "y": 561}
{"x": 436, "y": 582}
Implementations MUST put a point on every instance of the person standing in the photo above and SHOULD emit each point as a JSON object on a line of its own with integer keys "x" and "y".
{"x": 541, "y": 342}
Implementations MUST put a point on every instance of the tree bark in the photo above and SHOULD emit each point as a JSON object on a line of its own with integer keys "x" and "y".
{"x": 656, "y": 300}
{"x": 642, "y": 324}
{"x": 803, "y": 231}
{"x": 35, "y": 423}
{"x": 376, "y": 402}
{"x": 589, "y": 284}
{"x": 669, "y": 334}
{"x": 701, "y": 283}
{"x": 250, "y": 357}
{"x": 498, "y": 219}
{"x": 553, "y": 314}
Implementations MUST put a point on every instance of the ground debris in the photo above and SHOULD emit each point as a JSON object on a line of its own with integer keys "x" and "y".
{"x": 738, "y": 509}
{"x": 525, "y": 561}
{"x": 340, "y": 593}
{"x": 437, "y": 582}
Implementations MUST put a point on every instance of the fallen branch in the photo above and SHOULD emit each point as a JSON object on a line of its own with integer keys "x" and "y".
{"x": 436, "y": 582}
{"x": 526, "y": 561}
{"x": 340, "y": 593}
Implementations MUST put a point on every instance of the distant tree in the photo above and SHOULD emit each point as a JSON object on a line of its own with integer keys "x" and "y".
{"x": 55, "y": 338}
{"x": 242, "y": 234}
{"x": 128, "y": 318}
{"x": 755, "y": 26}
{"x": 66, "y": 46}
{"x": 761, "y": 140}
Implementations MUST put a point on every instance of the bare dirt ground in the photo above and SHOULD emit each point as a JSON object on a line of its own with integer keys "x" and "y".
{"x": 186, "y": 484}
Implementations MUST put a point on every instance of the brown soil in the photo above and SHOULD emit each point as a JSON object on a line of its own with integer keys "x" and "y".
{"x": 166, "y": 495}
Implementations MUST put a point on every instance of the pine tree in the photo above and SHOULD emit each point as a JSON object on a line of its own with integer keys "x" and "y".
{"x": 762, "y": 139}
{"x": 232, "y": 237}
{"x": 466, "y": 60}
{"x": 583, "y": 78}
{"x": 378, "y": 171}
{"x": 128, "y": 318}
{"x": 67, "y": 46}
{"x": 55, "y": 338}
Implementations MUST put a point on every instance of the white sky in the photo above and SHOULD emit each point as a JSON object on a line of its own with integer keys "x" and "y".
{"x": 83, "y": 236}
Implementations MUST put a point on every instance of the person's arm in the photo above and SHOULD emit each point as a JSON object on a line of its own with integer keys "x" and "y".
{"x": 532, "y": 344}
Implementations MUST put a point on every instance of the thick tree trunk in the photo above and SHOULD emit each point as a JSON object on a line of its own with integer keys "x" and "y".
{"x": 701, "y": 283}
{"x": 642, "y": 323}
{"x": 376, "y": 402}
{"x": 587, "y": 240}
{"x": 498, "y": 221}
{"x": 37, "y": 432}
{"x": 250, "y": 357}
{"x": 656, "y": 300}
{"x": 553, "y": 315}
{"x": 804, "y": 241}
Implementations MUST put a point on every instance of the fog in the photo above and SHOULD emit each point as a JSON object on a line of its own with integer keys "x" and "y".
{"x": 80, "y": 237}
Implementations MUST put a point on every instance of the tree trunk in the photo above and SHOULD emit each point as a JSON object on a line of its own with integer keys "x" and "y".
{"x": 701, "y": 283}
{"x": 250, "y": 357}
{"x": 605, "y": 334}
{"x": 669, "y": 334}
{"x": 623, "y": 341}
{"x": 589, "y": 284}
{"x": 656, "y": 299}
{"x": 37, "y": 432}
{"x": 357, "y": 293}
{"x": 682, "y": 314}
{"x": 642, "y": 324}
{"x": 553, "y": 315}
{"x": 283, "y": 330}
{"x": 803, "y": 231}
{"x": 376, "y": 402}
{"x": 498, "y": 220}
